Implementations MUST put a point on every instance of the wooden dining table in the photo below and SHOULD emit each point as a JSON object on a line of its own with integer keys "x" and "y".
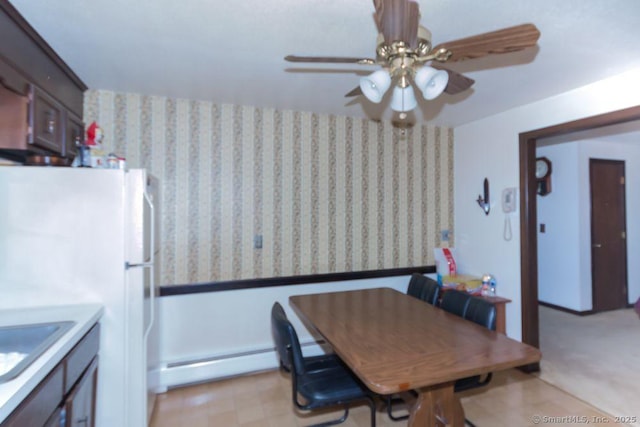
{"x": 394, "y": 343}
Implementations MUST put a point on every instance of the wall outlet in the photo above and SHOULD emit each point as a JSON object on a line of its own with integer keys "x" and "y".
{"x": 257, "y": 241}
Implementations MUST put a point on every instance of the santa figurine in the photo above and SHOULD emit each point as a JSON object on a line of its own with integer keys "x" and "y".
{"x": 94, "y": 136}
{"x": 91, "y": 154}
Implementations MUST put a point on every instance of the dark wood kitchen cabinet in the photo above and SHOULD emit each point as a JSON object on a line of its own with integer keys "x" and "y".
{"x": 73, "y": 134}
{"x": 40, "y": 96}
{"x": 80, "y": 406}
{"x": 37, "y": 123}
{"x": 45, "y": 122}
{"x": 41, "y": 403}
{"x": 67, "y": 396}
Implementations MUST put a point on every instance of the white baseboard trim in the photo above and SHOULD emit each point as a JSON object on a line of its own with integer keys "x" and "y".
{"x": 154, "y": 381}
{"x": 184, "y": 373}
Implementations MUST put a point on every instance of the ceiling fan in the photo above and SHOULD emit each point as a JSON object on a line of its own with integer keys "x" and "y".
{"x": 404, "y": 48}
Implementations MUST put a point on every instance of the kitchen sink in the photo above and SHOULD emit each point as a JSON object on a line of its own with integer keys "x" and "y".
{"x": 21, "y": 345}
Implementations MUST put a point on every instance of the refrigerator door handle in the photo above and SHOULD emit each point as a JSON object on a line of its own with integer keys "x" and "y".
{"x": 152, "y": 288}
{"x": 128, "y": 265}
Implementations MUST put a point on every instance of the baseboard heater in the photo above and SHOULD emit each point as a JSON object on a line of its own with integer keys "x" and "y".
{"x": 182, "y": 373}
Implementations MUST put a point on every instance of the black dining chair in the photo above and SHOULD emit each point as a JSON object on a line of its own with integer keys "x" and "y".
{"x": 416, "y": 286}
{"x": 483, "y": 313}
{"x": 312, "y": 363}
{"x": 424, "y": 288}
{"x": 455, "y": 302}
{"x": 319, "y": 388}
{"x": 431, "y": 291}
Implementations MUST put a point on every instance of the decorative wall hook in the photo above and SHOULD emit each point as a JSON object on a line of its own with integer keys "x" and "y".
{"x": 483, "y": 202}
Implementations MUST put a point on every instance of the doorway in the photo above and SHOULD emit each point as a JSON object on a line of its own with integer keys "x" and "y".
{"x": 608, "y": 234}
{"x": 528, "y": 217}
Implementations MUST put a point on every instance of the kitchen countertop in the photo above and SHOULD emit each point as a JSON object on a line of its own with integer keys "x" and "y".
{"x": 85, "y": 315}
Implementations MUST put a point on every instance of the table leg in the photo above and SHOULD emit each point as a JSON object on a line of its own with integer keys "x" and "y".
{"x": 501, "y": 318}
{"x": 437, "y": 406}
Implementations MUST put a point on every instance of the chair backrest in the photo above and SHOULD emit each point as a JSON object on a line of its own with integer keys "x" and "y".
{"x": 286, "y": 339}
{"x": 481, "y": 312}
{"x": 455, "y": 302}
{"x": 431, "y": 291}
{"x": 416, "y": 285}
{"x": 277, "y": 316}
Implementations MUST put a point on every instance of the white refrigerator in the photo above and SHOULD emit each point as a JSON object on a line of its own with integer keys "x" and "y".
{"x": 74, "y": 235}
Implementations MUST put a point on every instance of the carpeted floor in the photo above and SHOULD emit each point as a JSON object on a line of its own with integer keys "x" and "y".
{"x": 595, "y": 358}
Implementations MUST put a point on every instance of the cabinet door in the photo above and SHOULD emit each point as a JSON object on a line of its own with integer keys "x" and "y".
{"x": 45, "y": 120}
{"x": 14, "y": 132}
{"x": 73, "y": 133}
{"x": 81, "y": 403}
{"x": 80, "y": 357}
{"x": 37, "y": 408}
{"x": 56, "y": 419}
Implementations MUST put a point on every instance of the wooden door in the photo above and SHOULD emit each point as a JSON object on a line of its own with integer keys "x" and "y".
{"x": 608, "y": 234}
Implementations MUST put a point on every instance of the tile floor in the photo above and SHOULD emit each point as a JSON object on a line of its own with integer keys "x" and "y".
{"x": 512, "y": 399}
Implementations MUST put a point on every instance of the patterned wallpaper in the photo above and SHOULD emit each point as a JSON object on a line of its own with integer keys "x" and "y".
{"x": 325, "y": 193}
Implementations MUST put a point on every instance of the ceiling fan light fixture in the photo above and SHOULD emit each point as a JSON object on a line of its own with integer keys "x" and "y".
{"x": 375, "y": 85}
{"x": 403, "y": 99}
{"x": 431, "y": 82}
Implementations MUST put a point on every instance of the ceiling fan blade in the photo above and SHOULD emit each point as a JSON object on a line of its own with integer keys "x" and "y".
{"x": 411, "y": 25}
{"x": 356, "y": 91}
{"x": 377, "y": 15}
{"x": 502, "y": 41}
{"x": 329, "y": 59}
{"x": 398, "y": 20}
{"x": 457, "y": 82}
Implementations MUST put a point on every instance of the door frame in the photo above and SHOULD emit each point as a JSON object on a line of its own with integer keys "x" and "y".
{"x": 528, "y": 212}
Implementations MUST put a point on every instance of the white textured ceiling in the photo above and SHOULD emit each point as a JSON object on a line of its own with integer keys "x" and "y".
{"x": 232, "y": 51}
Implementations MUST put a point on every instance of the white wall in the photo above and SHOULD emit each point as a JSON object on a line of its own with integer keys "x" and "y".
{"x": 489, "y": 148}
{"x": 564, "y": 251}
{"x": 559, "y": 269}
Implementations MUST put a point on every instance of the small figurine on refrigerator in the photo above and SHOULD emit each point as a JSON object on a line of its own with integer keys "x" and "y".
{"x": 96, "y": 158}
{"x": 94, "y": 135}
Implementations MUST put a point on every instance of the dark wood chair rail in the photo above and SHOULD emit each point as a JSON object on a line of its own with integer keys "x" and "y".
{"x": 194, "y": 288}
